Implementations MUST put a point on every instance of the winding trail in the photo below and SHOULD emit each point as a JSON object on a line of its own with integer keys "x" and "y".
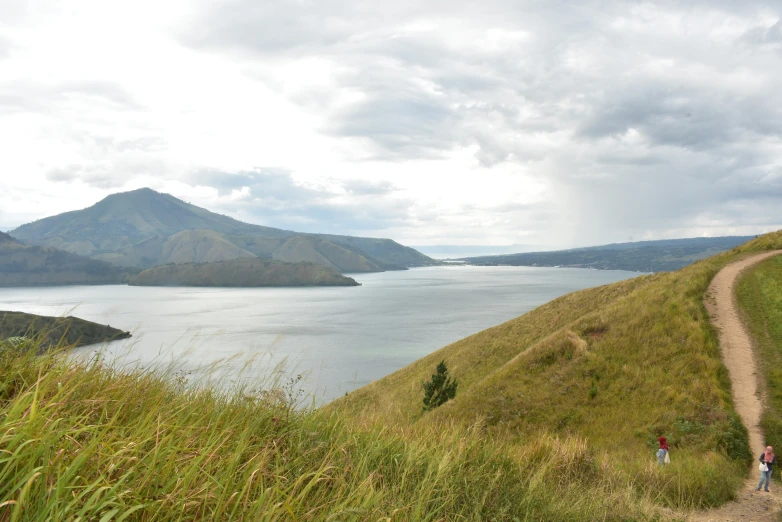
{"x": 739, "y": 358}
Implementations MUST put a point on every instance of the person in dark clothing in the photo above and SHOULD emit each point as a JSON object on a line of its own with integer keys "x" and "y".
{"x": 769, "y": 459}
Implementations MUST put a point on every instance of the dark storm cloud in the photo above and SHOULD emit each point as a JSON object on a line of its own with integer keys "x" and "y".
{"x": 687, "y": 117}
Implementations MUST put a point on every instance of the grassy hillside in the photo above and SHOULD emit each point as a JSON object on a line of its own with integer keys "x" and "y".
{"x": 760, "y": 298}
{"x": 144, "y": 228}
{"x": 618, "y": 365}
{"x": 23, "y": 265}
{"x": 641, "y": 256}
{"x": 94, "y": 442}
{"x": 385, "y": 251}
{"x": 326, "y": 253}
{"x": 49, "y": 332}
{"x": 245, "y": 272}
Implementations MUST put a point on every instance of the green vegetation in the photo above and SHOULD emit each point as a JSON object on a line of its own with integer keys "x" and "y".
{"x": 642, "y": 256}
{"x": 92, "y": 442}
{"x": 144, "y": 228}
{"x": 22, "y": 265}
{"x": 440, "y": 389}
{"x": 245, "y": 272}
{"x": 50, "y": 332}
{"x": 527, "y": 438}
{"x": 760, "y": 299}
{"x": 617, "y": 365}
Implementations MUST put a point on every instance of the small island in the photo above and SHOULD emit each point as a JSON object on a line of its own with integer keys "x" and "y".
{"x": 50, "y": 332}
{"x": 243, "y": 272}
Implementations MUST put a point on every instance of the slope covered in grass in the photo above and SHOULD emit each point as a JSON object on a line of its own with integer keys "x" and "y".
{"x": 92, "y": 442}
{"x": 760, "y": 299}
{"x": 618, "y": 365}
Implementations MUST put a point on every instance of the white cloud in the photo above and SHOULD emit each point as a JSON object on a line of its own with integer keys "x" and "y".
{"x": 442, "y": 122}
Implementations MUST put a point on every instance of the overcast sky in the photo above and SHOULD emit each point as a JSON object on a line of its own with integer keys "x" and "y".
{"x": 547, "y": 122}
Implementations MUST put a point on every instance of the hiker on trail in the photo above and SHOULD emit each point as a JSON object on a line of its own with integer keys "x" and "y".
{"x": 662, "y": 453}
{"x": 768, "y": 459}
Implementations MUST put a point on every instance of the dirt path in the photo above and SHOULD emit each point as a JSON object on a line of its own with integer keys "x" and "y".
{"x": 739, "y": 358}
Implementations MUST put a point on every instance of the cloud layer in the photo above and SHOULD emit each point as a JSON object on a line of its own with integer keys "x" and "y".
{"x": 552, "y": 123}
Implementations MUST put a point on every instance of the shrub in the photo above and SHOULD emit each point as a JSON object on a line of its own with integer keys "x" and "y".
{"x": 440, "y": 389}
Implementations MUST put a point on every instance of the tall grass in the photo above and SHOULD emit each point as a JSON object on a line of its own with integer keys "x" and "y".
{"x": 760, "y": 298}
{"x": 85, "y": 441}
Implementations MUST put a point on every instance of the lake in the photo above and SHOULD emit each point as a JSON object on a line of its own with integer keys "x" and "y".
{"x": 340, "y": 338}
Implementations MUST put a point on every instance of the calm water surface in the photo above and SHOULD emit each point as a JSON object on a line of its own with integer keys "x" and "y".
{"x": 340, "y": 337}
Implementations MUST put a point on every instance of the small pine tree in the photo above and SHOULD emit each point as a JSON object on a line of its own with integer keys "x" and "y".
{"x": 440, "y": 389}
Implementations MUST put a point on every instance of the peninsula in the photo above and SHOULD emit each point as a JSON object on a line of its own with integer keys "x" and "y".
{"x": 246, "y": 272}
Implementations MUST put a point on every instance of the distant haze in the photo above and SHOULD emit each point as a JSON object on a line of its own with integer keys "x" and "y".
{"x": 459, "y": 251}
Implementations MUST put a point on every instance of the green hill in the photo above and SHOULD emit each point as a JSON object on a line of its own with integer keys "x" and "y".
{"x": 640, "y": 256}
{"x": 244, "y": 272}
{"x": 23, "y": 265}
{"x": 618, "y": 365}
{"x": 144, "y": 228}
{"x": 49, "y": 332}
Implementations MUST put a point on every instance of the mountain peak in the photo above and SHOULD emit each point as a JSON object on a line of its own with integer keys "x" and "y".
{"x": 144, "y": 219}
{"x": 123, "y": 219}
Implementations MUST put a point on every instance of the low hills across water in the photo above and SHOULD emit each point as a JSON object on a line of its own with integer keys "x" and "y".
{"x": 640, "y": 256}
{"x": 24, "y": 265}
{"x": 243, "y": 272}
